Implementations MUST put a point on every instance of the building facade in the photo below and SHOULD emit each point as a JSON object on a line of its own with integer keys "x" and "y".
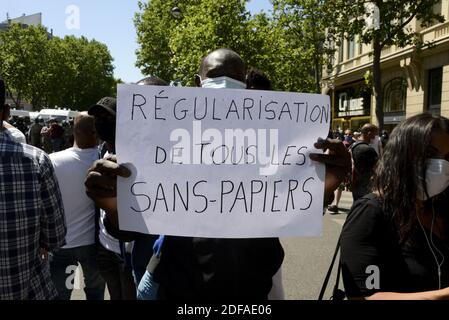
{"x": 413, "y": 81}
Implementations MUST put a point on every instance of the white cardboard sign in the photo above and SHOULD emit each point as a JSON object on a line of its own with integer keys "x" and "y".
{"x": 221, "y": 163}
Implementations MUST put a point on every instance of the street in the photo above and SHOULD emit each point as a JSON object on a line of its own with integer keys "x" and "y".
{"x": 306, "y": 259}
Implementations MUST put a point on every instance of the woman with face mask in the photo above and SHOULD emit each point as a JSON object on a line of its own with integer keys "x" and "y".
{"x": 395, "y": 242}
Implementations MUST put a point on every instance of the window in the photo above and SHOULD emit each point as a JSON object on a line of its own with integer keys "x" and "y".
{"x": 434, "y": 91}
{"x": 351, "y": 47}
{"x": 395, "y": 95}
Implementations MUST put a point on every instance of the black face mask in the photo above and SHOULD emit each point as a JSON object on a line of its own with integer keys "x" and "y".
{"x": 106, "y": 131}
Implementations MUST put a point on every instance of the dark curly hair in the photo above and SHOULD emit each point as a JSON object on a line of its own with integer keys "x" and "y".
{"x": 402, "y": 169}
{"x": 256, "y": 79}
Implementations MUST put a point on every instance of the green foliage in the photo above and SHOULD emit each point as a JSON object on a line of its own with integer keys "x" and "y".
{"x": 23, "y": 54}
{"x": 172, "y": 48}
{"x": 348, "y": 17}
{"x": 301, "y": 25}
{"x": 205, "y": 26}
{"x": 50, "y": 71}
{"x": 154, "y": 25}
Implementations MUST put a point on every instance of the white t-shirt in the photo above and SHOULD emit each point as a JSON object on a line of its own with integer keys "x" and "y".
{"x": 17, "y": 135}
{"x": 108, "y": 241}
{"x": 71, "y": 166}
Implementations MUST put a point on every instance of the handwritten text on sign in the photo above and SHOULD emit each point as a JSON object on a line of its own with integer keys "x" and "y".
{"x": 220, "y": 163}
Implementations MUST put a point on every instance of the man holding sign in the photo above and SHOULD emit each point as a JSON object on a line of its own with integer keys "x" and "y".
{"x": 220, "y": 163}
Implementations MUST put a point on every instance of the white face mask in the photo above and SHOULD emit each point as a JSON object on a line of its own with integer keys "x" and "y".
{"x": 222, "y": 82}
{"x": 437, "y": 178}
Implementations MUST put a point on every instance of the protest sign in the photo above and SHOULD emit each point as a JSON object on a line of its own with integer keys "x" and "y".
{"x": 220, "y": 163}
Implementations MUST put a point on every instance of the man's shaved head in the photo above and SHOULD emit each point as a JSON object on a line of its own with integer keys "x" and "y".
{"x": 222, "y": 62}
{"x": 84, "y": 131}
{"x": 152, "y": 81}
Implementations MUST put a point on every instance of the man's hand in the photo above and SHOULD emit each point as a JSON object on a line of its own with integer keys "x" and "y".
{"x": 338, "y": 164}
{"x": 101, "y": 182}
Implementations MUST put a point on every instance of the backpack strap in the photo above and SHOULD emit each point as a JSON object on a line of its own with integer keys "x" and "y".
{"x": 329, "y": 272}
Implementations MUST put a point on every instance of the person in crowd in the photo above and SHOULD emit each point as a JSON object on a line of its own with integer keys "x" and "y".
{"x": 152, "y": 81}
{"x": 46, "y": 141}
{"x": 71, "y": 166}
{"x": 395, "y": 242}
{"x": 364, "y": 158}
{"x": 211, "y": 269}
{"x": 346, "y": 184}
{"x": 371, "y": 132}
{"x": 113, "y": 255}
{"x": 31, "y": 218}
{"x": 15, "y": 133}
{"x": 68, "y": 137}
{"x": 384, "y": 138}
{"x": 22, "y": 125}
{"x": 257, "y": 80}
{"x": 348, "y": 138}
{"x": 141, "y": 244}
{"x": 35, "y": 133}
{"x": 56, "y": 134}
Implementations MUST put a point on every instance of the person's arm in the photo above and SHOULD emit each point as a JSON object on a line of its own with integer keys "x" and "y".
{"x": 361, "y": 236}
{"x": 338, "y": 164}
{"x": 52, "y": 220}
{"x": 101, "y": 185}
{"x": 442, "y": 294}
{"x": 114, "y": 231}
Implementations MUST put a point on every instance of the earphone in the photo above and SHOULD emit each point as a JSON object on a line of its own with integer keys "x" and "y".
{"x": 430, "y": 244}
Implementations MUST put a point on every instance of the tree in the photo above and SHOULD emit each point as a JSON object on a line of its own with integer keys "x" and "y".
{"x": 287, "y": 46}
{"x": 303, "y": 26}
{"x": 50, "y": 71}
{"x": 171, "y": 48}
{"x": 154, "y": 25}
{"x": 348, "y": 17}
{"x": 23, "y": 57}
{"x": 205, "y": 26}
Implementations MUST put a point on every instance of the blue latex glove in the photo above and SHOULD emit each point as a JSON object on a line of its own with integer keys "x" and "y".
{"x": 157, "y": 246}
{"x": 147, "y": 289}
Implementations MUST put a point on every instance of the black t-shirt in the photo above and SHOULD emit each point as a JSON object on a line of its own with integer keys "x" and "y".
{"x": 369, "y": 238}
{"x": 217, "y": 269}
{"x": 365, "y": 159}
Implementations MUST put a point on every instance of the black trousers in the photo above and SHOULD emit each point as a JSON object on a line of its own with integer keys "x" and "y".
{"x": 119, "y": 277}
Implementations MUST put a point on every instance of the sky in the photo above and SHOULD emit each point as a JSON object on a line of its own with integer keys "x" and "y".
{"x": 108, "y": 21}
